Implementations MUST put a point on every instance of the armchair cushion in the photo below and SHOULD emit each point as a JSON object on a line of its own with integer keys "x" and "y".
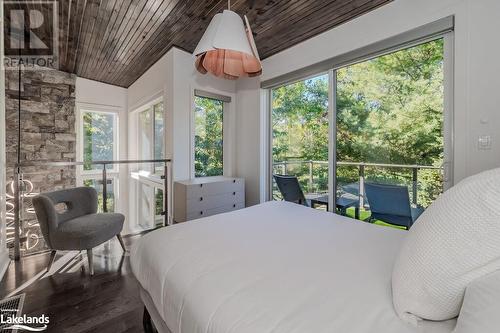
{"x": 88, "y": 231}
{"x": 78, "y": 201}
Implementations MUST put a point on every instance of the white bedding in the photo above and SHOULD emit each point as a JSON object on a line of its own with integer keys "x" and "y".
{"x": 275, "y": 267}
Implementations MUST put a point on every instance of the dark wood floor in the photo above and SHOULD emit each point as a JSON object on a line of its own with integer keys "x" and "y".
{"x": 75, "y": 302}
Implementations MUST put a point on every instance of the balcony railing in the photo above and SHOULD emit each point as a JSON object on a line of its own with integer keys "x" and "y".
{"x": 23, "y": 190}
{"x": 309, "y": 174}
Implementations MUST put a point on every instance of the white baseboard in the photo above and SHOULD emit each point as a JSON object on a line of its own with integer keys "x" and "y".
{"x": 4, "y": 262}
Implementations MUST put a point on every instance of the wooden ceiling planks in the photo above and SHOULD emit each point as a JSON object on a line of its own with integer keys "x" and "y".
{"x": 116, "y": 41}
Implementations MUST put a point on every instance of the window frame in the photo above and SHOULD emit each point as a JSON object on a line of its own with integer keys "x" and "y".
{"x": 448, "y": 112}
{"x": 112, "y": 173}
{"x": 116, "y": 130}
{"x": 226, "y": 126}
{"x": 135, "y": 151}
{"x": 149, "y": 107}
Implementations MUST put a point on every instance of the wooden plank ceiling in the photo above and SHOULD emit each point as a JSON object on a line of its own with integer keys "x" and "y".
{"x": 116, "y": 41}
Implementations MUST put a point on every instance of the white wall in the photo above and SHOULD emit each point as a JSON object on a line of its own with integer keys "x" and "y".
{"x": 174, "y": 78}
{"x": 248, "y": 138}
{"x": 99, "y": 96}
{"x": 186, "y": 80}
{"x": 477, "y": 69}
{"x": 152, "y": 84}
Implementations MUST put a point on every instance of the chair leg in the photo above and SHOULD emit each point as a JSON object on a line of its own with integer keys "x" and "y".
{"x": 121, "y": 242}
{"x": 51, "y": 259}
{"x": 91, "y": 261}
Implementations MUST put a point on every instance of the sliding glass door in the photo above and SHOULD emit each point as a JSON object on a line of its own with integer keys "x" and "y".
{"x": 390, "y": 119}
{"x": 386, "y": 120}
{"x": 299, "y": 116}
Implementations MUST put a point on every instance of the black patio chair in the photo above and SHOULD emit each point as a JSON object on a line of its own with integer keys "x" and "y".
{"x": 290, "y": 189}
{"x": 391, "y": 204}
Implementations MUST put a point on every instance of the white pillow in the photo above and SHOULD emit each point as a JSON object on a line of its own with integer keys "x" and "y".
{"x": 455, "y": 241}
{"x": 481, "y": 308}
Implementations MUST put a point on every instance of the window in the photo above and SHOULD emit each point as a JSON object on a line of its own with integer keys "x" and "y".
{"x": 385, "y": 118}
{"x": 99, "y": 142}
{"x": 149, "y": 125}
{"x": 99, "y": 133}
{"x": 151, "y": 133}
{"x": 390, "y": 112}
{"x": 208, "y": 142}
{"x": 300, "y": 134}
{"x": 145, "y": 134}
{"x": 159, "y": 130}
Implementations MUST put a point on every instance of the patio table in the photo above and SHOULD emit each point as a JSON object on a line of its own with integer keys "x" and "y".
{"x": 342, "y": 203}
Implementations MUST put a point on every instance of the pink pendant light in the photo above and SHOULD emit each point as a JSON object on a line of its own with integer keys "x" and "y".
{"x": 227, "y": 49}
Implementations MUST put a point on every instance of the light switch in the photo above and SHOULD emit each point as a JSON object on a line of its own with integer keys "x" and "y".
{"x": 484, "y": 142}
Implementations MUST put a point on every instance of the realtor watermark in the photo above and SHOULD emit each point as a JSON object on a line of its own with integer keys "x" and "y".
{"x": 10, "y": 322}
{"x": 31, "y": 34}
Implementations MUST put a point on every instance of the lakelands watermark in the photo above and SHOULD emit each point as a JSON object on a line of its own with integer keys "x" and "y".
{"x": 30, "y": 34}
{"x": 26, "y": 323}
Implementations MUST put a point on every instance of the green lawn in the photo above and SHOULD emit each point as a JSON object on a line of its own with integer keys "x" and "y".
{"x": 365, "y": 214}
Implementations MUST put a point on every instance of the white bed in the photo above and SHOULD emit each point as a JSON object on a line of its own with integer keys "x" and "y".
{"x": 275, "y": 267}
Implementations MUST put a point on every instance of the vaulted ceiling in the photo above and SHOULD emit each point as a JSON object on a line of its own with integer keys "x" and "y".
{"x": 116, "y": 41}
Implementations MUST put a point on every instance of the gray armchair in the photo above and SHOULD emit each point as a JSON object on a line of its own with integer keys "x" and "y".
{"x": 77, "y": 226}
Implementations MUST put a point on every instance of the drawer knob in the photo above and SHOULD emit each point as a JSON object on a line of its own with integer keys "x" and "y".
{"x": 201, "y": 198}
{"x": 234, "y": 193}
{"x": 201, "y": 185}
{"x": 234, "y": 180}
{"x": 234, "y": 205}
{"x": 201, "y": 213}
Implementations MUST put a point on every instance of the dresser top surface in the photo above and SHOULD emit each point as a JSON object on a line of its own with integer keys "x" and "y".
{"x": 205, "y": 180}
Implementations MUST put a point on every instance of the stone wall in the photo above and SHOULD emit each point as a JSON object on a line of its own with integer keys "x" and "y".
{"x": 47, "y": 133}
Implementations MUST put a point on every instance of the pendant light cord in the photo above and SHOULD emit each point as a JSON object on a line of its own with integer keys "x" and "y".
{"x": 228, "y": 4}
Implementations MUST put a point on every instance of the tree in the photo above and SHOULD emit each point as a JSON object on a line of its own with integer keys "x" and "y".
{"x": 208, "y": 137}
{"x": 97, "y": 137}
{"x": 389, "y": 110}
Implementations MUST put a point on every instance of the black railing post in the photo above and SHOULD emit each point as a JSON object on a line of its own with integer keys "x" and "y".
{"x": 311, "y": 183}
{"x": 165, "y": 194}
{"x": 415, "y": 185}
{"x": 17, "y": 214}
{"x": 104, "y": 189}
{"x": 361, "y": 185}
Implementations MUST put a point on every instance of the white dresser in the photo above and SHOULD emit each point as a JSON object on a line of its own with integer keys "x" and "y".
{"x": 200, "y": 197}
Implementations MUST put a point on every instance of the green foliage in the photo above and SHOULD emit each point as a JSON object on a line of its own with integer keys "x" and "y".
{"x": 389, "y": 110}
{"x": 158, "y": 201}
{"x": 97, "y": 138}
{"x": 110, "y": 202}
{"x": 208, "y": 137}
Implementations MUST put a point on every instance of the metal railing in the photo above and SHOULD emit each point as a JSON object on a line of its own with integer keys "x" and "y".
{"x": 18, "y": 184}
{"x": 284, "y": 165}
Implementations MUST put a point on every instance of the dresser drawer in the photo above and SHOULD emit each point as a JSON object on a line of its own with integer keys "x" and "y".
{"x": 213, "y": 188}
{"x": 215, "y": 211}
{"x": 213, "y": 201}
{"x": 194, "y": 191}
{"x": 228, "y": 208}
